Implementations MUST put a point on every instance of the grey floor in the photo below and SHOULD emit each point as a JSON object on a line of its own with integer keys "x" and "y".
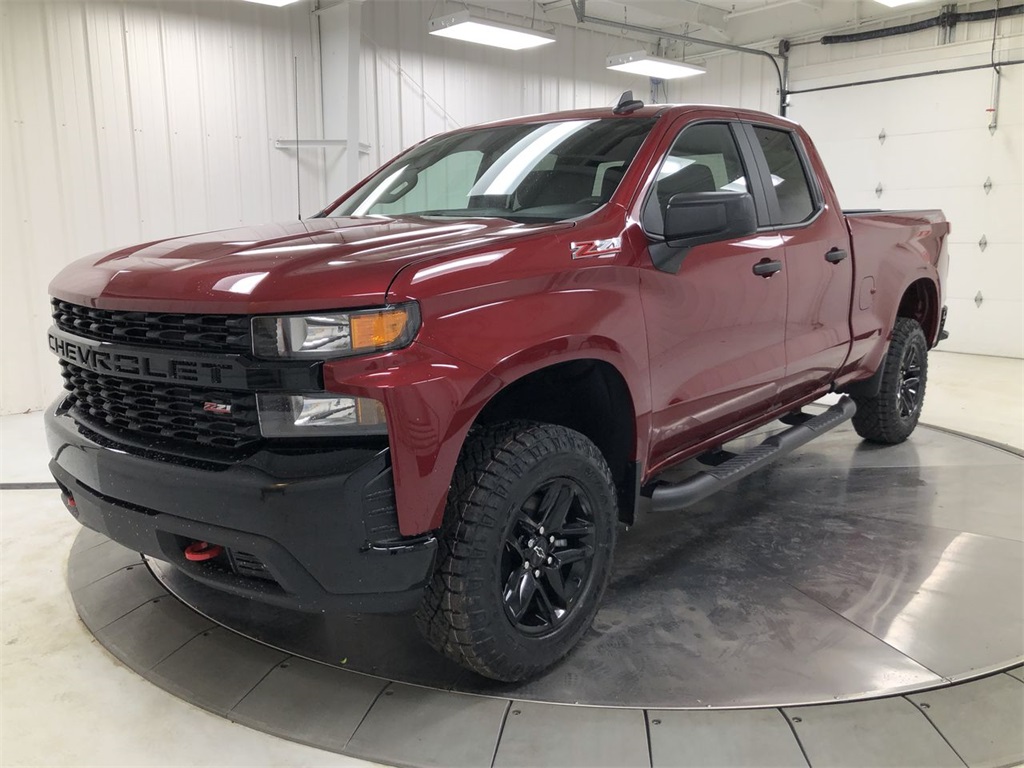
{"x": 844, "y": 571}
{"x": 976, "y": 723}
{"x": 67, "y": 702}
{"x": 818, "y": 613}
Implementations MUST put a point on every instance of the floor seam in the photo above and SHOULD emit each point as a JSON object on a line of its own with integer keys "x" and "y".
{"x": 862, "y": 629}
{"x": 140, "y": 561}
{"x": 851, "y": 622}
{"x": 1007, "y": 673}
{"x": 501, "y": 732}
{"x": 256, "y": 685}
{"x": 366, "y": 714}
{"x": 937, "y": 730}
{"x": 118, "y": 618}
{"x": 650, "y": 746}
{"x": 792, "y": 729}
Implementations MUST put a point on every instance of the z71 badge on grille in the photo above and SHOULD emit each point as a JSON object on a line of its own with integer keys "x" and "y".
{"x": 222, "y": 408}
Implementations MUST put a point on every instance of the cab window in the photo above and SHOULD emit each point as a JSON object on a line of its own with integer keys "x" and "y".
{"x": 703, "y": 158}
{"x": 789, "y": 177}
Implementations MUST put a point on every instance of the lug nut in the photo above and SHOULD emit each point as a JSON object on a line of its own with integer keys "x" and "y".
{"x": 551, "y": 539}
{"x": 541, "y": 530}
{"x": 536, "y": 574}
{"x": 551, "y": 560}
{"x": 526, "y": 564}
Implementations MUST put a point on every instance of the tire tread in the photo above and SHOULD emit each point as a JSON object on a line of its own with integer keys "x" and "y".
{"x": 451, "y": 616}
{"x": 877, "y": 420}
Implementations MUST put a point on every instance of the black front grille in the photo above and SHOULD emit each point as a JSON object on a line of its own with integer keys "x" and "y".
{"x": 164, "y": 411}
{"x": 212, "y": 333}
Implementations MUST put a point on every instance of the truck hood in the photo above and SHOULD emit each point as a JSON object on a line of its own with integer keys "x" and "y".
{"x": 314, "y": 264}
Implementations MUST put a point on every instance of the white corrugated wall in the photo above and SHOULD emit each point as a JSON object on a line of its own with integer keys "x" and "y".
{"x": 127, "y": 122}
{"x": 123, "y": 122}
{"x": 937, "y": 152}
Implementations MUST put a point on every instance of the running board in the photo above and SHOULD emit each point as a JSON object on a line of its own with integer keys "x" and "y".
{"x": 670, "y": 497}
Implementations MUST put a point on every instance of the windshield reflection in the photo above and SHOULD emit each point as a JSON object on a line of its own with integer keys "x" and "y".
{"x": 529, "y": 173}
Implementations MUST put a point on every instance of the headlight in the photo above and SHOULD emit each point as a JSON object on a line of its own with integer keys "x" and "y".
{"x": 319, "y": 415}
{"x": 329, "y": 335}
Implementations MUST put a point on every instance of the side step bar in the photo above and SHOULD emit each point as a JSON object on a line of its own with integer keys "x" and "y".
{"x": 670, "y": 497}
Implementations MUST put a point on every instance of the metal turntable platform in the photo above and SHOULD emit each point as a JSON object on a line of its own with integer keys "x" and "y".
{"x": 842, "y": 592}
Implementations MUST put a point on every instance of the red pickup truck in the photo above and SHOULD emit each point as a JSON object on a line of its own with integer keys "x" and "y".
{"x": 446, "y": 391}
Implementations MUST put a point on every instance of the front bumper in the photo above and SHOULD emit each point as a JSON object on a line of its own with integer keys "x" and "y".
{"x": 314, "y": 530}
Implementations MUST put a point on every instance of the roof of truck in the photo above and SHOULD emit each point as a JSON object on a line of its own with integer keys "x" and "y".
{"x": 648, "y": 110}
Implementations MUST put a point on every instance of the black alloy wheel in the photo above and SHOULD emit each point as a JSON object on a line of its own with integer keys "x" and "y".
{"x": 548, "y": 556}
{"x": 524, "y": 552}
{"x": 910, "y": 382}
{"x": 891, "y": 415}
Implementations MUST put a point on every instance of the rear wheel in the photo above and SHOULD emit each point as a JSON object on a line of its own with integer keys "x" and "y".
{"x": 525, "y": 551}
{"x": 891, "y": 415}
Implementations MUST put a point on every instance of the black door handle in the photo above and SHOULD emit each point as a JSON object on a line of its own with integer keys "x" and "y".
{"x": 767, "y": 267}
{"x": 835, "y": 255}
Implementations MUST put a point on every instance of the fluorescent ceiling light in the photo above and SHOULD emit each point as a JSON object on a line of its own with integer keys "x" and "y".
{"x": 275, "y": 3}
{"x": 642, "y": 63}
{"x": 464, "y": 26}
{"x": 897, "y": 3}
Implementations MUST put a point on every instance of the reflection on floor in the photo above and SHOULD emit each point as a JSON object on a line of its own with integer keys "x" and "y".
{"x": 66, "y": 702}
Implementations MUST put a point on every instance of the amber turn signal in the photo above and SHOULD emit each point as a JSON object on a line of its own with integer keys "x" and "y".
{"x": 378, "y": 330}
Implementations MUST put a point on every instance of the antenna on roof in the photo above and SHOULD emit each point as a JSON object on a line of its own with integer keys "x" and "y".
{"x": 627, "y": 104}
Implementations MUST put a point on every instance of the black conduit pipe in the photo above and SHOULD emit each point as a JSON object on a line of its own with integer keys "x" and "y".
{"x": 947, "y": 19}
{"x": 911, "y": 76}
{"x": 1010, "y": 10}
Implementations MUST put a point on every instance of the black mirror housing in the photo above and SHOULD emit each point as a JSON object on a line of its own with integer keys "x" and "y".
{"x": 693, "y": 218}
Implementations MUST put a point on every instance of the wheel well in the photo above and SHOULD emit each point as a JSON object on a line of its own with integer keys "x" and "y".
{"x": 589, "y": 396}
{"x": 920, "y": 302}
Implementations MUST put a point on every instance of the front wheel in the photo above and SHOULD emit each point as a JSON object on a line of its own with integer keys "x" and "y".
{"x": 891, "y": 415}
{"x": 525, "y": 550}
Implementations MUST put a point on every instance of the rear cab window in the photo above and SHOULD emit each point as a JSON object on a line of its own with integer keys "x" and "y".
{"x": 797, "y": 201}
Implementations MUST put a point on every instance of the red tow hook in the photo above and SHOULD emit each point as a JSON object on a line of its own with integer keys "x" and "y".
{"x": 69, "y": 502}
{"x": 200, "y": 551}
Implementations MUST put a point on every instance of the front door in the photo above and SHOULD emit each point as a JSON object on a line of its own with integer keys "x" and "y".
{"x": 715, "y": 328}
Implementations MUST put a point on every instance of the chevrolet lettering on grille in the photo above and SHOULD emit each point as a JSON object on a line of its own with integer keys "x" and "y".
{"x": 94, "y": 357}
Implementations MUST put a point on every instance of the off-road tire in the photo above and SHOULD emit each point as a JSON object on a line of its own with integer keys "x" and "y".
{"x": 503, "y": 467}
{"x": 885, "y": 418}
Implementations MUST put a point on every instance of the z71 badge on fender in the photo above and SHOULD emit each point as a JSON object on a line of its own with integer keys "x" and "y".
{"x": 595, "y": 249}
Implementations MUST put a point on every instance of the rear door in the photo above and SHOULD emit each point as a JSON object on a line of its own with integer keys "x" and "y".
{"x": 715, "y": 328}
{"x": 818, "y": 265}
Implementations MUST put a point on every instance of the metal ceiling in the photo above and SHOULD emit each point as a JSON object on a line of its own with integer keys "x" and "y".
{"x": 739, "y": 22}
{"x": 764, "y": 28}
{"x": 747, "y": 23}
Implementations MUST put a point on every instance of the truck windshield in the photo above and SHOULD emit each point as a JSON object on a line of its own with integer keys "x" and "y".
{"x": 524, "y": 172}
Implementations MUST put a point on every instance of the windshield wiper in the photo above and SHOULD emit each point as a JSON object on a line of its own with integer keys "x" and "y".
{"x": 483, "y": 213}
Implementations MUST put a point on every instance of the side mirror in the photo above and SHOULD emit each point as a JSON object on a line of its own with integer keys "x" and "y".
{"x": 693, "y": 218}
